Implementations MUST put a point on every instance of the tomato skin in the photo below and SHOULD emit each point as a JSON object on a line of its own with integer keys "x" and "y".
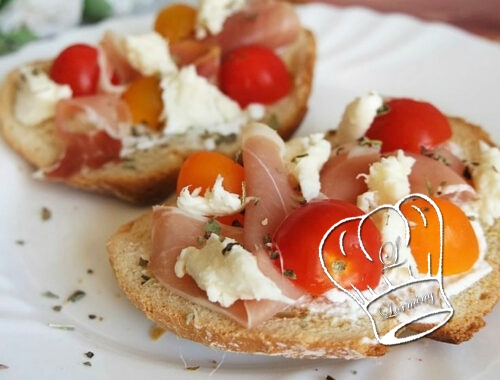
{"x": 298, "y": 238}
{"x": 201, "y": 170}
{"x": 254, "y": 74}
{"x": 460, "y": 245}
{"x": 175, "y": 22}
{"x": 143, "y": 97}
{"x": 410, "y": 125}
{"x": 77, "y": 67}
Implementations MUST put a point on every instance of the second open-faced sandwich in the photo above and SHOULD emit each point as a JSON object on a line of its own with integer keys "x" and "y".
{"x": 119, "y": 117}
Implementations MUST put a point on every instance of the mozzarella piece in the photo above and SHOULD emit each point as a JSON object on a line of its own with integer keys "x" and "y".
{"x": 387, "y": 181}
{"x": 213, "y": 13}
{"x": 37, "y": 96}
{"x": 304, "y": 158}
{"x": 149, "y": 54}
{"x": 191, "y": 102}
{"x": 227, "y": 272}
{"x": 358, "y": 117}
{"x": 215, "y": 202}
{"x": 486, "y": 177}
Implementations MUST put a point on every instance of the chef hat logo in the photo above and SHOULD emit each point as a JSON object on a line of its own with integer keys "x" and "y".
{"x": 404, "y": 300}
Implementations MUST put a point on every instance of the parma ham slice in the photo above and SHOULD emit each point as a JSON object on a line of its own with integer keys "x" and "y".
{"x": 174, "y": 230}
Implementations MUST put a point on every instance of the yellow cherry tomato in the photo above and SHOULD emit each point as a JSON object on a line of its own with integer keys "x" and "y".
{"x": 175, "y": 22}
{"x": 143, "y": 97}
{"x": 201, "y": 170}
{"x": 460, "y": 244}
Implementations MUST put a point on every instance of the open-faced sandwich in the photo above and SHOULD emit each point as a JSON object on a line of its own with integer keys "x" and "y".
{"x": 119, "y": 117}
{"x": 248, "y": 256}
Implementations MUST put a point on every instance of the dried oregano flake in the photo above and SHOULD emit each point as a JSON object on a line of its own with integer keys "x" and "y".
{"x": 274, "y": 255}
{"x": 143, "y": 262}
{"x": 212, "y": 226}
{"x": 76, "y": 296}
{"x": 89, "y": 354}
{"x": 288, "y": 273}
{"x": 45, "y": 214}
{"x": 49, "y": 294}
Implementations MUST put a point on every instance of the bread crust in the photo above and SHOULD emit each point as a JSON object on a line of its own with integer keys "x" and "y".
{"x": 297, "y": 332}
{"x": 477, "y": 301}
{"x": 149, "y": 176}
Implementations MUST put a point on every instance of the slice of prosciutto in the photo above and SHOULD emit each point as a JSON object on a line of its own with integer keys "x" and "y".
{"x": 340, "y": 176}
{"x": 267, "y": 183}
{"x": 433, "y": 177}
{"x": 174, "y": 230}
{"x": 263, "y": 22}
{"x": 91, "y": 128}
{"x": 205, "y": 58}
{"x": 114, "y": 62}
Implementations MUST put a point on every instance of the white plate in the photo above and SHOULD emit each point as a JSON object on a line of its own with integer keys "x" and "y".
{"x": 358, "y": 51}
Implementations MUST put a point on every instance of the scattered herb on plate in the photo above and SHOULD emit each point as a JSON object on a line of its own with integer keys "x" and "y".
{"x": 49, "y": 294}
{"x": 89, "y": 354}
{"x": 45, "y": 214}
{"x": 76, "y": 296}
{"x": 61, "y": 326}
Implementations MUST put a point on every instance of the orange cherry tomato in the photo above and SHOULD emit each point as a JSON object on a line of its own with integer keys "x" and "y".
{"x": 143, "y": 97}
{"x": 175, "y": 22}
{"x": 201, "y": 170}
{"x": 460, "y": 246}
{"x": 298, "y": 238}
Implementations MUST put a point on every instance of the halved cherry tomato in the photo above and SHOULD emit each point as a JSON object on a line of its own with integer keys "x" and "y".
{"x": 77, "y": 67}
{"x": 298, "y": 238}
{"x": 143, "y": 97}
{"x": 460, "y": 245}
{"x": 175, "y": 22}
{"x": 254, "y": 74}
{"x": 201, "y": 170}
{"x": 410, "y": 125}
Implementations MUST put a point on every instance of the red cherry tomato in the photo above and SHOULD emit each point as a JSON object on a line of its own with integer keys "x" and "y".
{"x": 254, "y": 74}
{"x": 410, "y": 125}
{"x": 298, "y": 238}
{"x": 77, "y": 67}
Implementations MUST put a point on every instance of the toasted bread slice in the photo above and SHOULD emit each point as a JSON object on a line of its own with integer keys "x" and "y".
{"x": 295, "y": 333}
{"x": 471, "y": 305}
{"x": 298, "y": 332}
{"x": 148, "y": 176}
